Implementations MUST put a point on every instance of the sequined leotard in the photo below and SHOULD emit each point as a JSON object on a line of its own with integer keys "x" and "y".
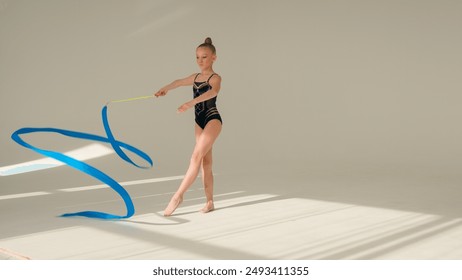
{"x": 207, "y": 110}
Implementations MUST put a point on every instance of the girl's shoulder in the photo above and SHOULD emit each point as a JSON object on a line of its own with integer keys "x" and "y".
{"x": 215, "y": 76}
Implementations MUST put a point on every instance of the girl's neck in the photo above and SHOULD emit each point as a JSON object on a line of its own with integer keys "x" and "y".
{"x": 207, "y": 72}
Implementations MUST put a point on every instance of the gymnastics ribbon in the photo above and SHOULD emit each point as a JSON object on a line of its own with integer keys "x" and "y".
{"x": 88, "y": 169}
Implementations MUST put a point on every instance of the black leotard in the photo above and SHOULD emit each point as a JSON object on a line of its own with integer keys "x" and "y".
{"x": 207, "y": 110}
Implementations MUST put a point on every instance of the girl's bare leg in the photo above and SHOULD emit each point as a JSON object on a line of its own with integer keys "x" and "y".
{"x": 207, "y": 180}
{"x": 207, "y": 175}
{"x": 203, "y": 145}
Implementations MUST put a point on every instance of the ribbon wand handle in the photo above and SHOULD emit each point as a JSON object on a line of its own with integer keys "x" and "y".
{"x": 130, "y": 99}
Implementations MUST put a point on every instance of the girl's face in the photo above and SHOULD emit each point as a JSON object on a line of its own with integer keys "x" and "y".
{"x": 205, "y": 58}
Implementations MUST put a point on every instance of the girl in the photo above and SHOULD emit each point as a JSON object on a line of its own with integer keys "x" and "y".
{"x": 206, "y": 86}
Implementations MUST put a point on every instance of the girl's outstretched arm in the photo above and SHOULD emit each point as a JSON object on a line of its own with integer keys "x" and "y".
{"x": 177, "y": 83}
{"x": 215, "y": 83}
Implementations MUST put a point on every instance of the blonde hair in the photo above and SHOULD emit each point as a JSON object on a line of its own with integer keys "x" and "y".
{"x": 208, "y": 44}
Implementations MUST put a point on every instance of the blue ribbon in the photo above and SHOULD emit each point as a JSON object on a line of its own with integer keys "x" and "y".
{"x": 86, "y": 168}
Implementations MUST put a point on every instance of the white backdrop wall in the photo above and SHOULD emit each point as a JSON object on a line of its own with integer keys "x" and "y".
{"x": 304, "y": 82}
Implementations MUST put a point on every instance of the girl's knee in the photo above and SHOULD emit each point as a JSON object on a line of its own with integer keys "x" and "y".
{"x": 197, "y": 156}
{"x": 207, "y": 162}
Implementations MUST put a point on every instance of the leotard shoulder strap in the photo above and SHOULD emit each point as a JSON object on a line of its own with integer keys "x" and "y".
{"x": 210, "y": 77}
{"x": 196, "y": 76}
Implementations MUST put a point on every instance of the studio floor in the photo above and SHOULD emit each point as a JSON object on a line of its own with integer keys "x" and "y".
{"x": 316, "y": 213}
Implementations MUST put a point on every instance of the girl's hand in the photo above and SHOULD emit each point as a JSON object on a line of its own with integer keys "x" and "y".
{"x": 161, "y": 92}
{"x": 185, "y": 107}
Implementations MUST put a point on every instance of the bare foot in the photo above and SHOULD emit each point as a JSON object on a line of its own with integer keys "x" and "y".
{"x": 208, "y": 207}
{"x": 172, "y": 205}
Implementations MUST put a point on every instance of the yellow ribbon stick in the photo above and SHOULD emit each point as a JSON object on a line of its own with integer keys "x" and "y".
{"x": 131, "y": 99}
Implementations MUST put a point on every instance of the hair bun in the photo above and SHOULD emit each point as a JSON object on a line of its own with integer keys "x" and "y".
{"x": 207, "y": 44}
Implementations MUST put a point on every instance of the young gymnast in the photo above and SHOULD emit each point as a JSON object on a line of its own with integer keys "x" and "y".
{"x": 206, "y": 86}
